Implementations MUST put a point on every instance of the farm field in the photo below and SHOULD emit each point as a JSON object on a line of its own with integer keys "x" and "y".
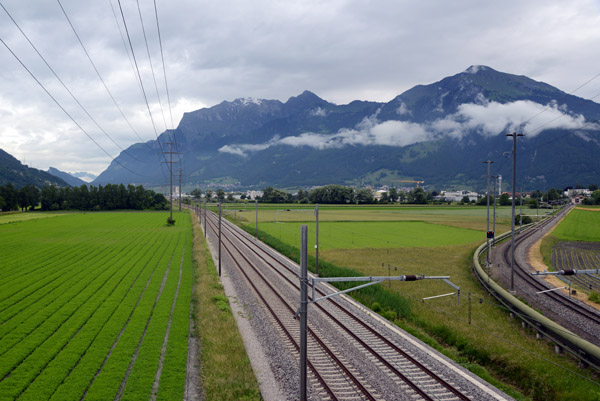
{"x": 95, "y": 306}
{"x": 575, "y": 244}
{"x": 477, "y": 333}
{"x": 579, "y": 225}
{"x": 471, "y": 217}
{"x": 12, "y": 217}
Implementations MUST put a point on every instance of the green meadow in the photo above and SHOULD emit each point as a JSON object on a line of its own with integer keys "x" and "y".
{"x": 579, "y": 225}
{"x": 374, "y": 234}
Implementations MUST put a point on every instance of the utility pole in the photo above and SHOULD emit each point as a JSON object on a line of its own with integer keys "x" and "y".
{"x": 317, "y": 240}
{"x": 303, "y": 309}
{"x": 521, "y": 211}
{"x": 170, "y": 163}
{"x": 219, "y": 239}
{"x": 256, "y": 203}
{"x": 495, "y": 177}
{"x": 514, "y": 182}
{"x": 180, "y": 174}
{"x": 488, "y": 162}
{"x": 205, "y": 201}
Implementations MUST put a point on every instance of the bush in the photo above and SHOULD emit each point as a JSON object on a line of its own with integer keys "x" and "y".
{"x": 170, "y": 221}
{"x": 594, "y": 297}
{"x": 526, "y": 219}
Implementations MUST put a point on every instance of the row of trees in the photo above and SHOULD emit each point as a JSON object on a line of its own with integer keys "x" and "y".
{"x": 108, "y": 197}
{"x": 24, "y": 198}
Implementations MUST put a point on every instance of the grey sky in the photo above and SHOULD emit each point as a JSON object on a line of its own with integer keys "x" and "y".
{"x": 222, "y": 50}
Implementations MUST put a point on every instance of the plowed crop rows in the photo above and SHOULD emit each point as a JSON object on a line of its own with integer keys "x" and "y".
{"x": 92, "y": 304}
{"x": 578, "y": 256}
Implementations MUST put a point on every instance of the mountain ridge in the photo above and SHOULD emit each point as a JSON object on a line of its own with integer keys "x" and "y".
{"x": 14, "y": 172}
{"x": 438, "y": 132}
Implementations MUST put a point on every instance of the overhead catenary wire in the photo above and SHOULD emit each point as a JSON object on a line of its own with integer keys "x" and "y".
{"x": 63, "y": 84}
{"x": 66, "y": 112}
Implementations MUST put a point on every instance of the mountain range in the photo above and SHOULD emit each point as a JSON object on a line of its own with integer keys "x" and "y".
{"x": 69, "y": 178}
{"x": 14, "y": 172}
{"x": 439, "y": 133}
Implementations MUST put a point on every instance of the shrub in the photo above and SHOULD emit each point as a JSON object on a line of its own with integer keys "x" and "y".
{"x": 170, "y": 221}
{"x": 594, "y": 297}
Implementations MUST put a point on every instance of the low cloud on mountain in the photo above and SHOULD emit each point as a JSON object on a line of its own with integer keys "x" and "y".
{"x": 486, "y": 118}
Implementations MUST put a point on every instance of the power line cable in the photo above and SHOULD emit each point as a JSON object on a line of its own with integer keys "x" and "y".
{"x": 150, "y": 62}
{"x": 98, "y": 73}
{"x": 139, "y": 76}
{"x": 63, "y": 84}
{"x": 125, "y": 44}
{"x": 163, "y": 63}
{"x": 66, "y": 112}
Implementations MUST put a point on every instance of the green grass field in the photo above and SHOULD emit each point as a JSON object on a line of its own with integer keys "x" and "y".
{"x": 579, "y": 225}
{"x": 85, "y": 302}
{"x": 12, "y": 217}
{"x": 377, "y": 234}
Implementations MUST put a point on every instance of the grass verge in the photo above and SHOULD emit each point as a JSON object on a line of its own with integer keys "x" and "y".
{"x": 226, "y": 370}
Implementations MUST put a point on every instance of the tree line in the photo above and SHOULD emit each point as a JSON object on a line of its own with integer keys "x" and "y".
{"x": 85, "y": 197}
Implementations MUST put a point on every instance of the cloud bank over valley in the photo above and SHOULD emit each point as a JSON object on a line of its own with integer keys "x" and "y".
{"x": 486, "y": 118}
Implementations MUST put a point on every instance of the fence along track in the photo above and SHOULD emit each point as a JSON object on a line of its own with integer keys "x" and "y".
{"x": 373, "y": 343}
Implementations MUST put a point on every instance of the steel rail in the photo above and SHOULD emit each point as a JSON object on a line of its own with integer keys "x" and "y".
{"x": 323, "y": 346}
{"x": 390, "y": 344}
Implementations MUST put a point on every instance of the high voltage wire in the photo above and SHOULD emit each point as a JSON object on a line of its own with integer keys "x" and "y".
{"x": 98, "y": 73}
{"x": 137, "y": 79}
{"x": 63, "y": 84}
{"x": 150, "y": 62}
{"x": 65, "y": 111}
{"x": 140, "y": 77}
{"x": 124, "y": 44}
{"x": 163, "y": 63}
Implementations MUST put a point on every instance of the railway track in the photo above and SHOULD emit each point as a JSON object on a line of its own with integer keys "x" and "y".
{"x": 348, "y": 357}
{"x": 523, "y": 271}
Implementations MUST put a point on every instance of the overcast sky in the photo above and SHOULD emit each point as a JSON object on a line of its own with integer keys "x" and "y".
{"x": 342, "y": 50}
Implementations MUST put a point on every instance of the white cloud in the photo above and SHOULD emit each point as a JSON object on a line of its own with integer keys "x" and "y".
{"x": 494, "y": 118}
{"x": 491, "y": 118}
{"x": 318, "y": 112}
{"x": 403, "y": 109}
{"x": 339, "y": 49}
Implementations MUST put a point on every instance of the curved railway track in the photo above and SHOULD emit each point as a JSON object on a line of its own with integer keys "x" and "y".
{"x": 333, "y": 375}
{"x": 522, "y": 271}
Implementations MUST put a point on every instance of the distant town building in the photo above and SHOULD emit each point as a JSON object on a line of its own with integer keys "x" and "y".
{"x": 571, "y": 193}
{"x": 457, "y": 196}
{"x": 254, "y": 194}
